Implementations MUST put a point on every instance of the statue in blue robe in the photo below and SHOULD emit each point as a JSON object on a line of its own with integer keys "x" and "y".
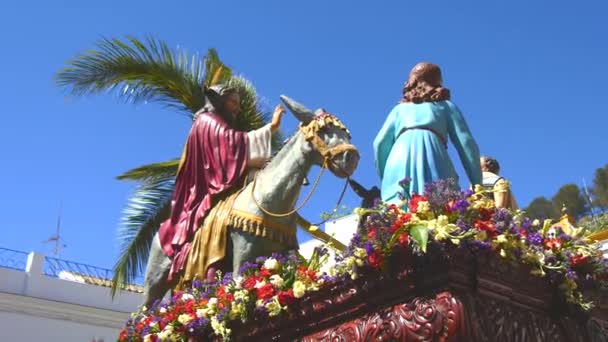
{"x": 413, "y": 142}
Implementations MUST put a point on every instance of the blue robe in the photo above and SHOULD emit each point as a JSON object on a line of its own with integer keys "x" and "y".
{"x": 401, "y": 150}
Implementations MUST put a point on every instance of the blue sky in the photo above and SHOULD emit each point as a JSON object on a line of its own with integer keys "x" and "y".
{"x": 529, "y": 76}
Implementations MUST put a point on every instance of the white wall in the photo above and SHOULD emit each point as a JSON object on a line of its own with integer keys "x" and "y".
{"x": 36, "y": 307}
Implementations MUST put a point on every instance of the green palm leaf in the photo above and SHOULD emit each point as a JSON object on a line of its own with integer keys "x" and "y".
{"x": 149, "y": 71}
{"x": 147, "y": 208}
{"x": 144, "y": 72}
{"x": 151, "y": 171}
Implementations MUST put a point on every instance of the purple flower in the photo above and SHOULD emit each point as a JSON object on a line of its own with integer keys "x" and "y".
{"x": 260, "y": 260}
{"x": 460, "y": 205}
{"x": 440, "y": 193}
{"x": 369, "y": 248}
{"x": 571, "y": 275}
{"x": 535, "y": 239}
{"x": 565, "y": 237}
{"x": 248, "y": 266}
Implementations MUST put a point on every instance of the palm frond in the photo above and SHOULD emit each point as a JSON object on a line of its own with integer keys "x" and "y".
{"x": 149, "y": 206}
{"x": 143, "y": 72}
{"x": 151, "y": 172}
{"x": 251, "y": 116}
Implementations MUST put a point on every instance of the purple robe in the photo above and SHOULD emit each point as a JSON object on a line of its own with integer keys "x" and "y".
{"x": 215, "y": 161}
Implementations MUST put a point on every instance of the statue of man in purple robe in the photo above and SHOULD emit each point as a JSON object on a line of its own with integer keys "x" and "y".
{"x": 215, "y": 161}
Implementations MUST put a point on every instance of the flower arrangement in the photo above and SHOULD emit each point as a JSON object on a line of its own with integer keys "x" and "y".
{"x": 264, "y": 288}
{"x": 442, "y": 215}
{"x": 446, "y": 216}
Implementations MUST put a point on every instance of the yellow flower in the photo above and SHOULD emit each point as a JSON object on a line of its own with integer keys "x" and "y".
{"x": 274, "y": 307}
{"x": 423, "y": 207}
{"x": 184, "y": 319}
{"x": 481, "y": 235}
{"x": 360, "y": 253}
{"x": 299, "y": 289}
{"x": 502, "y": 238}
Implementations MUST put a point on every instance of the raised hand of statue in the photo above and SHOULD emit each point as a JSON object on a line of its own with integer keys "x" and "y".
{"x": 277, "y": 116}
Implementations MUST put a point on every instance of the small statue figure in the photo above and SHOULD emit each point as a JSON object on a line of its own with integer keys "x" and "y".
{"x": 413, "y": 141}
{"x": 501, "y": 194}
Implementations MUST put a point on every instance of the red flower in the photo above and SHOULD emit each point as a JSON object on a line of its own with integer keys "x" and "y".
{"x": 553, "y": 244}
{"x": 413, "y": 205}
{"x": 221, "y": 292}
{"x": 250, "y": 282}
{"x": 523, "y": 233}
{"x": 486, "y": 214}
{"x": 404, "y": 239}
{"x": 371, "y": 234}
{"x": 265, "y": 273}
{"x": 312, "y": 274}
{"x": 286, "y": 297}
{"x": 486, "y": 226}
{"x": 579, "y": 260}
{"x": 123, "y": 335}
{"x": 265, "y": 291}
{"x": 139, "y": 326}
{"x": 375, "y": 259}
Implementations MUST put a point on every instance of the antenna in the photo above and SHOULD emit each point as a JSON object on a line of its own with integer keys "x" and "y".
{"x": 56, "y": 238}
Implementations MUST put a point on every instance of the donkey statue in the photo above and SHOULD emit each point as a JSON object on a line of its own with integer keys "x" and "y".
{"x": 262, "y": 218}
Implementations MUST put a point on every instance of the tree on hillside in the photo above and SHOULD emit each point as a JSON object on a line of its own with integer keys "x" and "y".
{"x": 570, "y": 197}
{"x": 600, "y": 187}
{"x": 541, "y": 208}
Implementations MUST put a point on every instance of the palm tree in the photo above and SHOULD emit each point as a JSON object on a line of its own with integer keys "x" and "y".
{"x": 149, "y": 71}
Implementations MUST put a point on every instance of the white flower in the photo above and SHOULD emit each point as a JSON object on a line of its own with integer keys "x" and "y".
{"x": 184, "y": 319}
{"x": 271, "y": 264}
{"x": 212, "y": 303}
{"x": 154, "y": 325}
{"x": 299, "y": 289}
{"x": 259, "y": 284}
{"x": 238, "y": 282}
{"x": 536, "y": 223}
{"x": 187, "y": 296}
{"x": 163, "y": 310}
{"x": 148, "y": 338}
{"x": 277, "y": 281}
{"x": 203, "y": 313}
{"x": 166, "y": 333}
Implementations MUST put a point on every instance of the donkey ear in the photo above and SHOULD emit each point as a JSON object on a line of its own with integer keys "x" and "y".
{"x": 303, "y": 114}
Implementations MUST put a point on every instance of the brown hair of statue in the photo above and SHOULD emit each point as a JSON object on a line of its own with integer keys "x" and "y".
{"x": 425, "y": 85}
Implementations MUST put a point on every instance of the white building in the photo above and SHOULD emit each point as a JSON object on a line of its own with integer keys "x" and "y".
{"x": 48, "y": 299}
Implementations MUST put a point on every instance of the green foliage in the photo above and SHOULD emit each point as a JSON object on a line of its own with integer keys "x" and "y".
{"x": 340, "y": 212}
{"x": 150, "y": 71}
{"x": 570, "y": 197}
{"x": 600, "y": 187}
{"x": 420, "y": 234}
{"x": 541, "y": 208}
{"x": 594, "y": 223}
